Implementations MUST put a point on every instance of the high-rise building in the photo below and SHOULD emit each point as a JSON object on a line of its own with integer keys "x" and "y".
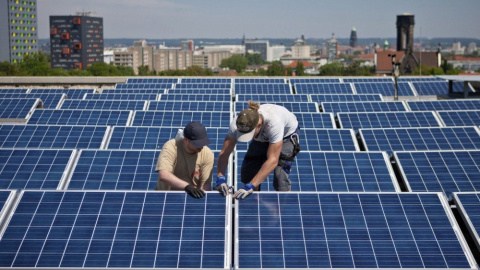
{"x": 186, "y": 45}
{"x": 76, "y": 41}
{"x": 353, "y": 38}
{"x": 258, "y": 46}
{"x": 139, "y": 55}
{"x": 18, "y": 29}
{"x": 405, "y": 24}
{"x": 332, "y": 48}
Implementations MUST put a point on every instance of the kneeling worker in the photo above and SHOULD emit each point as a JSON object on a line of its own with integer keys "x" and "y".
{"x": 186, "y": 163}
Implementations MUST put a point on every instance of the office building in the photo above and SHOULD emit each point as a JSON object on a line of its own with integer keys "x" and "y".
{"x": 139, "y": 55}
{"x": 300, "y": 49}
{"x": 76, "y": 41}
{"x": 353, "y": 38}
{"x": 257, "y": 46}
{"x": 18, "y": 29}
{"x": 172, "y": 59}
{"x": 210, "y": 60}
{"x": 332, "y": 48}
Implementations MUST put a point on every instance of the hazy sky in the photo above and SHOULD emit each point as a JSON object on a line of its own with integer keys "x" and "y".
{"x": 163, "y": 19}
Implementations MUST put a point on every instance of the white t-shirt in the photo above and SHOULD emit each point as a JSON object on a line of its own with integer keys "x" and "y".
{"x": 278, "y": 122}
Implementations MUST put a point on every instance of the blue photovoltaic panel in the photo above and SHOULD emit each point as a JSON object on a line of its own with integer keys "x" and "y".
{"x": 123, "y": 230}
{"x": 348, "y": 230}
{"x": 357, "y": 121}
{"x": 444, "y": 105}
{"x": 206, "y": 80}
{"x": 180, "y": 119}
{"x": 319, "y": 98}
{"x": 202, "y": 97}
{"x": 258, "y": 80}
{"x": 273, "y": 98}
{"x": 263, "y": 88}
{"x": 50, "y": 101}
{"x": 334, "y": 171}
{"x": 93, "y": 104}
{"x": 469, "y": 206}
{"x": 133, "y": 91}
{"x": 368, "y": 80}
{"x": 460, "y": 118}
{"x": 314, "y": 80}
{"x": 198, "y": 106}
{"x": 373, "y": 106}
{"x": 385, "y": 89}
{"x": 440, "y": 171}
{"x": 421, "y": 139}
{"x": 58, "y": 137}
{"x": 18, "y": 108}
{"x": 152, "y": 80}
{"x": 315, "y": 120}
{"x": 323, "y": 88}
{"x": 80, "y": 117}
{"x": 153, "y": 138}
{"x": 159, "y": 86}
{"x": 322, "y": 140}
{"x": 123, "y": 96}
{"x": 294, "y": 107}
{"x": 72, "y": 93}
{"x": 203, "y": 86}
{"x": 33, "y": 168}
{"x": 419, "y": 79}
{"x": 438, "y": 88}
{"x": 199, "y": 91}
{"x": 13, "y": 90}
{"x": 5, "y": 198}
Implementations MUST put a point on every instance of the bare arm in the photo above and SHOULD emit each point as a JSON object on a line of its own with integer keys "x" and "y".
{"x": 273, "y": 154}
{"x": 170, "y": 179}
{"x": 227, "y": 149}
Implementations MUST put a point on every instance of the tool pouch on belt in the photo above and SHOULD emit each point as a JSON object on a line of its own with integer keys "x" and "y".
{"x": 285, "y": 161}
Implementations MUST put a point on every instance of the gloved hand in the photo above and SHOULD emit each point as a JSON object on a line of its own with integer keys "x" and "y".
{"x": 195, "y": 192}
{"x": 244, "y": 192}
{"x": 221, "y": 185}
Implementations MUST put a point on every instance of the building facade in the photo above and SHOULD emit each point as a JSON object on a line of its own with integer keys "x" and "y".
{"x": 258, "y": 46}
{"x": 18, "y": 29}
{"x": 210, "y": 60}
{"x": 332, "y": 48}
{"x": 353, "y": 38}
{"x": 172, "y": 59}
{"x": 76, "y": 41}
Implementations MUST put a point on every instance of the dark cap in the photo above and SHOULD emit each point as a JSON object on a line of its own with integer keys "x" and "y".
{"x": 247, "y": 121}
{"x": 197, "y": 134}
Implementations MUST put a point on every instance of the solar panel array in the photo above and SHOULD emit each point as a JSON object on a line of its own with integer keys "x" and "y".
{"x": 371, "y": 186}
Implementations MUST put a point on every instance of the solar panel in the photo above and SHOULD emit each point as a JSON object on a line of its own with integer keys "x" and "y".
{"x": 18, "y": 109}
{"x": 6, "y": 198}
{"x": 50, "y": 101}
{"x": 259, "y": 80}
{"x": 372, "y": 106}
{"x": 294, "y": 81}
{"x": 440, "y": 171}
{"x": 91, "y": 104}
{"x": 34, "y": 169}
{"x": 273, "y": 98}
{"x": 58, "y": 137}
{"x": 153, "y": 138}
{"x": 198, "y": 106}
{"x": 419, "y": 79}
{"x": 460, "y": 118}
{"x": 263, "y": 88}
{"x": 419, "y": 139}
{"x": 152, "y": 80}
{"x": 438, "y": 87}
{"x": 78, "y": 229}
{"x": 294, "y": 107}
{"x": 202, "y": 97}
{"x": 123, "y": 96}
{"x": 315, "y": 120}
{"x": 199, "y": 91}
{"x": 348, "y": 230}
{"x": 80, "y": 117}
{"x": 368, "y": 80}
{"x": 206, "y": 80}
{"x": 468, "y": 205}
{"x": 322, "y": 140}
{"x": 334, "y": 171}
{"x": 72, "y": 93}
{"x": 133, "y": 91}
{"x": 385, "y": 89}
{"x": 203, "y": 86}
{"x": 319, "y": 98}
{"x": 444, "y": 105}
{"x": 159, "y": 86}
{"x": 323, "y": 88}
{"x": 13, "y": 90}
{"x": 357, "y": 121}
{"x": 180, "y": 119}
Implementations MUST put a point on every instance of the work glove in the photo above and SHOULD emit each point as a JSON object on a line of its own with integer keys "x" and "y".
{"x": 195, "y": 192}
{"x": 244, "y": 192}
{"x": 221, "y": 185}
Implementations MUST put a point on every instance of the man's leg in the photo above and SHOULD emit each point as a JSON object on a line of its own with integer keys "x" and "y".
{"x": 252, "y": 162}
{"x": 281, "y": 179}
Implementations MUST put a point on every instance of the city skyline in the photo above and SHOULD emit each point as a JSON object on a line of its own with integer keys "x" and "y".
{"x": 154, "y": 19}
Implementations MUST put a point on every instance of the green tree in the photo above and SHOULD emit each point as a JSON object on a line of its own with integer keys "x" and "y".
{"x": 254, "y": 59}
{"x": 276, "y": 69}
{"x": 236, "y": 62}
{"x": 8, "y": 69}
{"x": 331, "y": 69}
{"x": 35, "y": 64}
{"x": 299, "y": 70}
{"x": 143, "y": 71}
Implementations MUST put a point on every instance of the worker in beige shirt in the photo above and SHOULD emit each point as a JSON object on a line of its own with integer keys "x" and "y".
{"x": 186, "y": 163}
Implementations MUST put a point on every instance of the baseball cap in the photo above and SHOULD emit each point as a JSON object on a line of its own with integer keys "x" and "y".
{"x": 196, "y": 133}
{"x": 247, "y": 121}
